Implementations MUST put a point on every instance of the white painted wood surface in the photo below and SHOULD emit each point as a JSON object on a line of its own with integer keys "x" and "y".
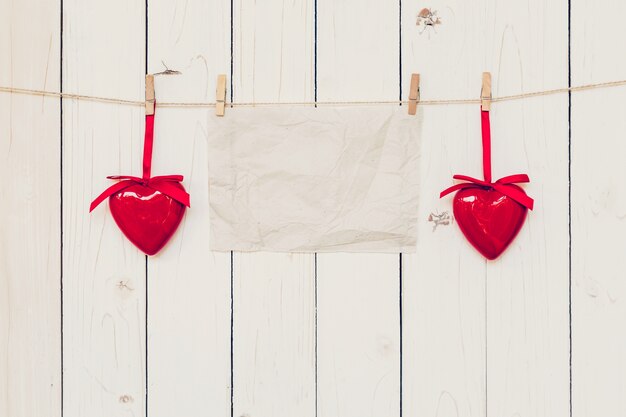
{"x": 444, "y": 282}
{"x": 30, "y": 240}
{"x": 188, "y": 286}
{"x": 103, "y": 274}
{"x": 274, "y": 335}
{"x": 598, "y": 213}
{"x": 527, "y": 290}
{"x": 327, "y": 335}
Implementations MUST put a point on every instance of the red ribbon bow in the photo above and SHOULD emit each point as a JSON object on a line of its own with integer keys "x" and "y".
{"x": 162, "y": 183}
{"x": 505, "y": 185}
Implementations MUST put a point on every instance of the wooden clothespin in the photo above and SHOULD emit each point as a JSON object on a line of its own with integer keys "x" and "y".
{"x": 414, "y": 94}
{"x": 150, "y": 98}
{"x": 485, "y": 92}
{"x": 220, "y": 100}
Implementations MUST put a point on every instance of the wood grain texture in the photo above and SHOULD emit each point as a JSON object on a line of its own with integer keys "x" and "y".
{"x": 273, "y": 50}
{"x": 444, "y": 352}
{"x": 598, "y": 212}
{"x": 444, "y": 362}
{"x": 527, "y": 288}
{"x": 274, "y": 335}
{"x": 274, "y": 320}
{"x": 30, "y": 267}
{"x": 358, "y": 335}
{"x": 358, "y": 294}
{"x": 357, "y": 50}
{"x": 104, "y": 274}
{"x": 188, "y": 285}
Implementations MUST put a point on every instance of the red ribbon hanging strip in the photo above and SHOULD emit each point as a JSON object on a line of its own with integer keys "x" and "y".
{"x": 505, "y": 185}
{"x": 163, "y": 183}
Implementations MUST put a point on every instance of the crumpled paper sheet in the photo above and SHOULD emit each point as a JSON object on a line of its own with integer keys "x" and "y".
{"x": 305, "y": 179}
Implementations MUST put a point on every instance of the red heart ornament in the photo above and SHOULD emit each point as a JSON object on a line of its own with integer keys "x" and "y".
{"x": 149, "y": 209}
{"x": 489, "y": 219}
{"x": 490, "y": 214}
{"x": 146, "y": 216}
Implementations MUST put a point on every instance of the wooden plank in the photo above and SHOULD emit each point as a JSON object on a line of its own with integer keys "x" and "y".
{"x": 358, "y": 294}
{"x": 273, "y": 50}
{"x": 274, "y": 334}
{"x": 30, "y": 268}
{"x": 189, "y": 286}
{"x": 358, "y": 335}
{"x": 598, "y": 210}
{"x": 104, "y": 274}
{"x": 444, "y": 335}
{"x": 274, "y": 320}
{"x": 527, "y": 288}
{"x": 357, "y": 50}
{"x": 444, "y": 362}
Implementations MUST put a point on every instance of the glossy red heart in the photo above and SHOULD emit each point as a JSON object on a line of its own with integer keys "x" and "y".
{"x": 147, "y": 217}
{"x": 489, "y": 219}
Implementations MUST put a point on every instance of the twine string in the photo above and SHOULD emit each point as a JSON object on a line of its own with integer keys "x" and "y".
{"x": 45, "y": 93}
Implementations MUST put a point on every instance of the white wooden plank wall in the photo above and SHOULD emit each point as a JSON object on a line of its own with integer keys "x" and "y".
{"x": 91, "y": 327}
